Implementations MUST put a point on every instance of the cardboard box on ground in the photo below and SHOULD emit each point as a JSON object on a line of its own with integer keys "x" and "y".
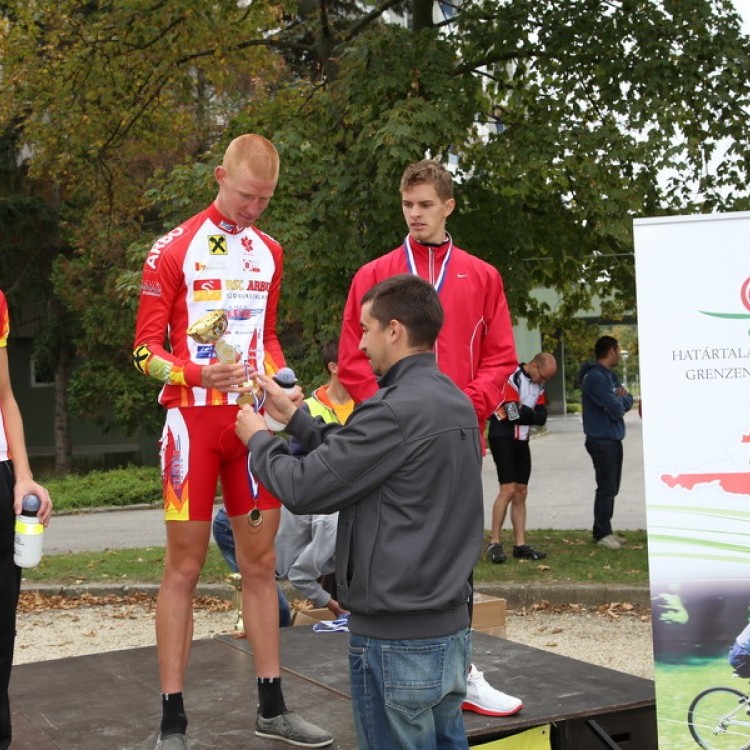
{"x": 489, "y": 615}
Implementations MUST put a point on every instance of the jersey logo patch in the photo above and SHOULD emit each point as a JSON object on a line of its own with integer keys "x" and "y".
{"x": 205, "y": 351}
{"x": 206, "y": 289}
{"x": 140, "y": 355}
{"x": 217, "y": 244}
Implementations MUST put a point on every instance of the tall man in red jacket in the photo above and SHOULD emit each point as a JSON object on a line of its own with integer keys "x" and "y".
{"x": 475, "y": 346}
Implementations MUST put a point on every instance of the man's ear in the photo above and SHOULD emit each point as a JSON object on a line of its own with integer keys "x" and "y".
{"x": 397, "y": 331}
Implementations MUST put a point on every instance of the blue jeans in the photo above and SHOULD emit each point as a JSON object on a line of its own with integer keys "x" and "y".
{"x": 407, "y": 694}
{"x": 606, "y": 456}
{"x": 222, "y": 530}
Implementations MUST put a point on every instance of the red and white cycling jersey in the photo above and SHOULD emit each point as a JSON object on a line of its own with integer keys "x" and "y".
{"x": 4, "y": 331}
{"x": 206, "y": 264}
{"x": 521, "y": 389}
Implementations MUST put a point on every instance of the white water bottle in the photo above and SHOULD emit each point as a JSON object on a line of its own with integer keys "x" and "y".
{"x": 27, "y": 547}
{"x": 286, "y": 378}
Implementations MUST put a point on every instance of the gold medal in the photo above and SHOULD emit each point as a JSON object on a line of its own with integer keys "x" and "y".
{"x": 245, "y": 398}
{"x": 255, "y": 517}
{"x": 256, "y": 398}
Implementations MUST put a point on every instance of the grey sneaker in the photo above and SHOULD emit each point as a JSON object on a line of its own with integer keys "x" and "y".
{"x": 292, "y": 729}
{"x": 619, "y": 538}
{"x": 171, "y": 742}
{"x": 609, "y": 542}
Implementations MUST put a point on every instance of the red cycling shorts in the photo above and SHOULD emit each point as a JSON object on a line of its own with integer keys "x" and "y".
{"x": 198, "y": 448}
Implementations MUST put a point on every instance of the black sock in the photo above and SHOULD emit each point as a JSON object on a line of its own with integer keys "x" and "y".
{"x": 270, "y": 697}
{"x": 173, "y": 717}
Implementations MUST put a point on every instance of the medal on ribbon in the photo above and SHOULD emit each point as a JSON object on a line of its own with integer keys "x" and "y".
{"x": 256, "y": 398}
{"x": 438, "y": 282}
{"x": 255, "y": 516}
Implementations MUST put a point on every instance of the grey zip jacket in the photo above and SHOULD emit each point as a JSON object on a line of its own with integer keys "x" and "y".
{"x": 405, "y": 474}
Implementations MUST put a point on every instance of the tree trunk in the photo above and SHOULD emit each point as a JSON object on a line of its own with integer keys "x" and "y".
{"x": 422, "y": 15}
{"x": 63, "y": 444}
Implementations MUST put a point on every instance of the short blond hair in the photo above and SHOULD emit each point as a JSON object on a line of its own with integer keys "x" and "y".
{"x": 255, "y": 153}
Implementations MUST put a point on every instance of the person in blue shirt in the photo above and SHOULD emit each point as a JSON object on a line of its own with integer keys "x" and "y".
{"x": 739, "y": 654}
{"x": 224, "y": 538}
{"x": 605, "y": 403}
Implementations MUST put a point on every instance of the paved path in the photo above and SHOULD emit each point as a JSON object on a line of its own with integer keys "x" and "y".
{"x": 561, "y": 488}
{"x": 561, "y": 492}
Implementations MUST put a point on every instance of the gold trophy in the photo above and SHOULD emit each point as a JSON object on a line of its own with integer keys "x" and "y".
{"x": 236, "y": 580}
{"x": 209, "y": 329}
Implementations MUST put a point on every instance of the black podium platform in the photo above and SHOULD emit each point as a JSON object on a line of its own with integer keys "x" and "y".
{"x": 112, "y": 700}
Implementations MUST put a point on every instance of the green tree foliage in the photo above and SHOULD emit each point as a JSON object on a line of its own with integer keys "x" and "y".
{"x": 608, "y": 112}
{"x": 343, "y": 150}
{"x": 566, "y": 120}
{"x": 31, "y": 243}
{"x": 103, "y": 96}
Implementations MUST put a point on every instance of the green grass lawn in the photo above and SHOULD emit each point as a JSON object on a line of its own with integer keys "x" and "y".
{"x": 571, "y": 557}
{"x": 677, "y": 684}
{"x": 141, "y": 565}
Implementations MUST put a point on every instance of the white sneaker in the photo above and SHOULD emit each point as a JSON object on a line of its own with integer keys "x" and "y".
{"x": 609, "y": 542}
{"x": 482, "y": 698}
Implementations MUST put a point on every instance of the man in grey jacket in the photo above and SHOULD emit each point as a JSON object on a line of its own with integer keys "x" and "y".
{"x": 404, "y": 473}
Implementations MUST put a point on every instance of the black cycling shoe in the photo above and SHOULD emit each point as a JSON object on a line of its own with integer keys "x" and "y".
{"x": 496, "y": 553}
{"x": 524, "y": 552}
